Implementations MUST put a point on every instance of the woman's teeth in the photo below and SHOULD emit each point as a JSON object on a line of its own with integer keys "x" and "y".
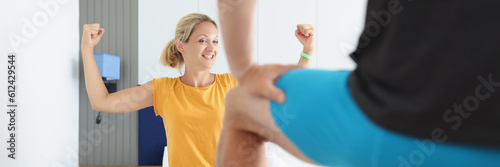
{"x": 208, "y": 56}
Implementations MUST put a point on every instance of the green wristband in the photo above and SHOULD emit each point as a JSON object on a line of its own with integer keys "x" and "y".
{"x": 305, "y": 55}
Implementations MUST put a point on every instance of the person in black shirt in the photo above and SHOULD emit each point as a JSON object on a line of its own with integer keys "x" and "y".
{"x": 424, "y": 92}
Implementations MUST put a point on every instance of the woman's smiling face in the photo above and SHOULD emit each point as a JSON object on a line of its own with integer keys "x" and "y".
{"x": 202, "y": 47}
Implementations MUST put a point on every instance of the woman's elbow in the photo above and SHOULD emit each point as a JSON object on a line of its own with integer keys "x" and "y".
{"x": 101, "y": 108}
{"x": 96, "y": 108}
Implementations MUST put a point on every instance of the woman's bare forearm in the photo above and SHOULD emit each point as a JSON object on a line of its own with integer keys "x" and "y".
{"x": 96, "y": 90}
{"x": 304, "y": 62}
{"x": 306, "y": 35}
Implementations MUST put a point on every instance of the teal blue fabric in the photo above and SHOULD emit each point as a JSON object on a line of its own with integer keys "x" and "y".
{"x": 322, "y": 119}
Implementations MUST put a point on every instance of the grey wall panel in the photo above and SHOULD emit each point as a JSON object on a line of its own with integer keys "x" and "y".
{"x": 134, "y": 78}
{"x": 114, "y": 141}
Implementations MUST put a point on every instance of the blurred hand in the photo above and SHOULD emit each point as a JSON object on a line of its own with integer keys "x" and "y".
{"x": 92, "y": 33}
{"x": 306, "y": 35}
{"x": 260, "y": 79}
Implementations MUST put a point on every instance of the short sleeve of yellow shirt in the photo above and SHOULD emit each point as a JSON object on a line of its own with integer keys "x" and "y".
{"x": 192, "y": 118}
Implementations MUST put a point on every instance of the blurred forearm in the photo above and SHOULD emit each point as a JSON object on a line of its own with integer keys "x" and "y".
{"x": 237, "y": 24}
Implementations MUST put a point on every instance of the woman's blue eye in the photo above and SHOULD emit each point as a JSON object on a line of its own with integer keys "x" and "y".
{"x": 203, "y": 41}
{"x": 216, "y": 42}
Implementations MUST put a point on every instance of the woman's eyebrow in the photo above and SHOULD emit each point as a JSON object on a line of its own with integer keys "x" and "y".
{"x": 207, "y": 35}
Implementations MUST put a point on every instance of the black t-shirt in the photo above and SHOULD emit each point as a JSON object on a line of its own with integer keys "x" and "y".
{"x": 431, "y": 68}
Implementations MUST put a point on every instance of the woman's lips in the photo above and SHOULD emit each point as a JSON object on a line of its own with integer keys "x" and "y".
{"x": 209, "y": 57}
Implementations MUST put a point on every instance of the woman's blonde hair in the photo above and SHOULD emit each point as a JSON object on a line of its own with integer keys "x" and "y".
{"x": 171, "y": 55}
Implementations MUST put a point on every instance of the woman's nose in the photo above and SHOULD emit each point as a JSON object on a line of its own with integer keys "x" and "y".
{"x": 210, "y": 47}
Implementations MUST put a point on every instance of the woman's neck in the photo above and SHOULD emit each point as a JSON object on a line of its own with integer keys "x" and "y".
{"x": 199, "y": 79}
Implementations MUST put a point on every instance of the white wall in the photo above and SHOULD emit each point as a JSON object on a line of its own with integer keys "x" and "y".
{"x": 47, "y": 91}
{"x": 338, "y": 25}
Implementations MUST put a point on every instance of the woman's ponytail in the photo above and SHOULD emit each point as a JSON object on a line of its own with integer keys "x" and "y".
{"x": 171, "y": 56}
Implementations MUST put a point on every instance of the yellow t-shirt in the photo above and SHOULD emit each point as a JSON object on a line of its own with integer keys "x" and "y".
{"x": 192, "y": 118}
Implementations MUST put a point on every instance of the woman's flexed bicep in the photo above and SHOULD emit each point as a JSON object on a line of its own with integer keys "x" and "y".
{"x": 127, "y": 100}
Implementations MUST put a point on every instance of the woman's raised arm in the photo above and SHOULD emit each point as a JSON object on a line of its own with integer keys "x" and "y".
{"x": 127, "y": 100}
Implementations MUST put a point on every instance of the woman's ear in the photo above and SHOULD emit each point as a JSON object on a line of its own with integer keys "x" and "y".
{"x": 179, "y": 45}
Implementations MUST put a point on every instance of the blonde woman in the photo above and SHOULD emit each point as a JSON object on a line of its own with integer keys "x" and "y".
{"x": 192, "y": 105}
